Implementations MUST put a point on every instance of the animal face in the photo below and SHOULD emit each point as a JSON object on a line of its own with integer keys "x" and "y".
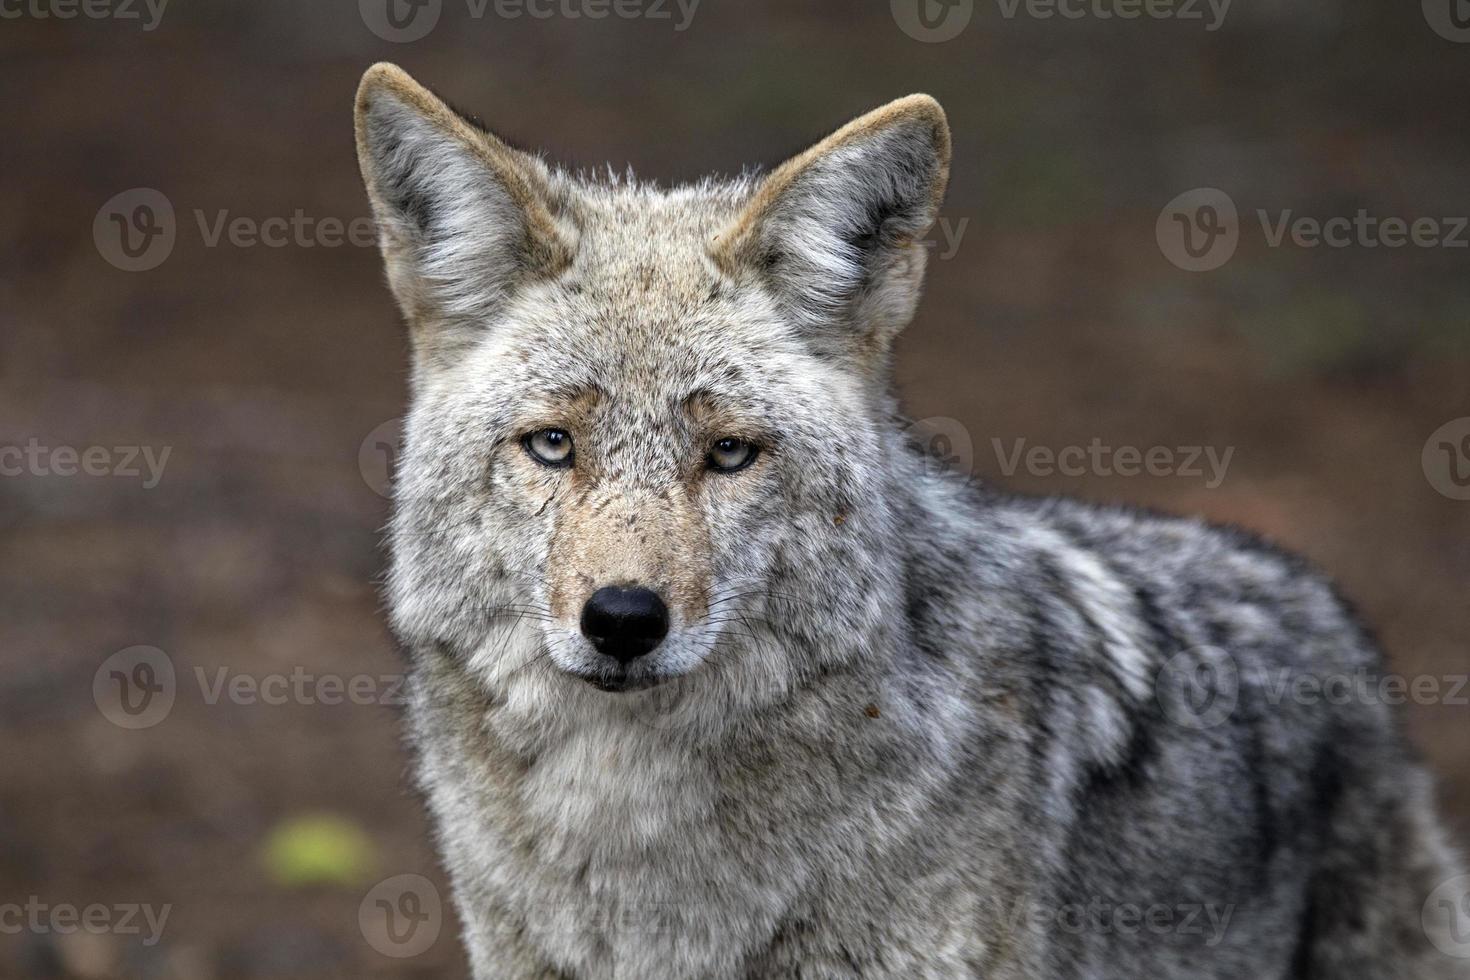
{"x": 649, "y": 428}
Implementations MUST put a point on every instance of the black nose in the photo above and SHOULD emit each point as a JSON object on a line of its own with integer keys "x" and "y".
{"x": 625, "y": 622}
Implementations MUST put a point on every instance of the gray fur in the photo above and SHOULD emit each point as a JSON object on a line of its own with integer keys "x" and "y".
{"x": 915, "y": 722}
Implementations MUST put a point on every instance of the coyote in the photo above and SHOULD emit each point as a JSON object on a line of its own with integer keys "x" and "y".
{"x": 714, "y": 676}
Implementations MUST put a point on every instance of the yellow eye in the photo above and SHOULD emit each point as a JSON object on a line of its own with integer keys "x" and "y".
{"x": 549, "y": 447}
{"x": 729, "y": 455}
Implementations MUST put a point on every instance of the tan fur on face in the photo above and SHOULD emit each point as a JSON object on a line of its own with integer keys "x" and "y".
{"x": 608, "y": 536}
{"x": 607, "y": 532}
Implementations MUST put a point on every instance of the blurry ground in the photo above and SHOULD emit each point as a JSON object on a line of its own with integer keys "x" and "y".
{"x": 1056, "y": 320}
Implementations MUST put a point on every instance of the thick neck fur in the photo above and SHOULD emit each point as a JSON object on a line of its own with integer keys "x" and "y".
{"x": 602, "y": 808}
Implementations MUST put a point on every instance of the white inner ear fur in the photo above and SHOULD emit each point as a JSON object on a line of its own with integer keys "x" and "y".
{"x": 833, "y": 227}
{"x": 439, "y": 200}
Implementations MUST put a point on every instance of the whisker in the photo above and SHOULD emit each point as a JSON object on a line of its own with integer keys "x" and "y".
{"x": 766, "y": 594}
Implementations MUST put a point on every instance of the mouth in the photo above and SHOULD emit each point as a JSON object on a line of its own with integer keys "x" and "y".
{"x": 619, "y": 683}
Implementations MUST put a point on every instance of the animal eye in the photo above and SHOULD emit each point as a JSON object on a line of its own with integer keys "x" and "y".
{"x": 549, "y": 447}
{"x": 729, "y": 454}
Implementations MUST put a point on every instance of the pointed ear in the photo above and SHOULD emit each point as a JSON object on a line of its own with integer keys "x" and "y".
{"x": 835, "y": 231}
{"x": 463, "y": 219}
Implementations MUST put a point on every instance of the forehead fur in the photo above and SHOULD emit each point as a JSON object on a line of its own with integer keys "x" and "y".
{"x": 625, "y": 226}
{"x": 642, "y": 304}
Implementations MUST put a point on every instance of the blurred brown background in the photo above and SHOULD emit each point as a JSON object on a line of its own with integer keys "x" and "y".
{"x": 1054, "y": 315}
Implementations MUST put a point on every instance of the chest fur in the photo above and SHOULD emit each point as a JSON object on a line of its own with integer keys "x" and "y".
{"x": 612, "y": 856}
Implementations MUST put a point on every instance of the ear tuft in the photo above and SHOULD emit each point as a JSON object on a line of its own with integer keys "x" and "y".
{"x": 835, "y": 231}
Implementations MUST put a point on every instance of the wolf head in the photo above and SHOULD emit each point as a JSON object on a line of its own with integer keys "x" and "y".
{"x": 651, "y": 437}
